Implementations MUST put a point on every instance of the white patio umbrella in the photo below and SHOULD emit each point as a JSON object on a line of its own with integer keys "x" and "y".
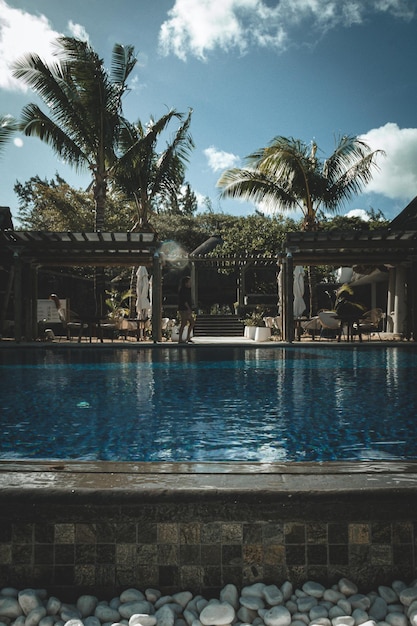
{"x": 142, "y": 293}
{"x": 299, "y": 305}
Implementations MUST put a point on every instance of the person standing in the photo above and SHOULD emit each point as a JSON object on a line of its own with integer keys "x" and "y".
{"x": 185, "y": 309}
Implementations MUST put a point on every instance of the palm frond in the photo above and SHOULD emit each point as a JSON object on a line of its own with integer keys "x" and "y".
{"x": 8, "y": 126}
{"x": 34, "y": 123}
{"x": 257, "y": 187}
{"x": 123, "y": 62}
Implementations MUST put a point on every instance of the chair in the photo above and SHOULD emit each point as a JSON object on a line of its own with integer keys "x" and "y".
{"x": 330, "y": 321}
{"x": 107, "y": 328}
{"x": 312, "y": 326}
{"x": 370, "y": 322}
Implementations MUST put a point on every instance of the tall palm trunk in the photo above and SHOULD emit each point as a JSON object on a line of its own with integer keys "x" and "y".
{"x": 312, "y": 284}
{"x": 100, "y": 192}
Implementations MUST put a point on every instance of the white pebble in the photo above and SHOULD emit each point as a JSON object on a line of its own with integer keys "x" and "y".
{"x": 127, "y": 609}
{"x": 397, "y": 619}
{"x": 10, "y": 607}
{"x": 300, "y": 617}
{"x": 336, "y": 611}
{"x": 217, "y": 614}
{"x": 388, "y": 594}
{"x": 360, "y": 616}
{"x": 360, "y": 601}
{"x": 53, "y": 606}
{"x": 252, "y": 602}
{"x": 91, "y": 620}
{"x": 48, "y": 620}
{"x": 273, "y": 595}
{"x": 182, "y": 598}
{"x": 314, "y": 589}
{"x": 317, "y": 612}
{"x": 106, "y": 613}
{"x": 277, "y": 616}
{"x": 152, "y": 595}
{"x": 345, "y": 606}
{"x": 408, "y": 595}
{"x": 347, "y": 587}
{"x": 35, "y": 615}
{"x": 28, "y": 600}
{"x": 143, "y": 619}
{"x": 413, "y": 618}
{"x": 286, "y": 590}
{"x": 306, "y": 603}
{"x": 257, "y": 589}
{"x": 86, "y": 605}
{"x": 131, "y": 595}
{"x": 332, "y": 595}
{"x": 246, "y": 615}
{"x": 343, "y": 620}
{"x": 230, "y": 594}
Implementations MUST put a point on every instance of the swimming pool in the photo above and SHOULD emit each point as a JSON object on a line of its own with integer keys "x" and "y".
{"x": 276, "y": 404}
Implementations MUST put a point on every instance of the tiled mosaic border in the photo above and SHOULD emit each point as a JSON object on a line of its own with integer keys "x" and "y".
{"x": 202, "y": 546}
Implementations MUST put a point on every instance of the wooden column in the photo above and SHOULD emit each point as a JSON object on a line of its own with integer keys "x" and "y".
{"x": 33, "y": 276}
{"x": 17, "y": 264}
{"x": 156, "y": 299}
{"x": 194, "y": 285}
{"x": 289, "y": 300}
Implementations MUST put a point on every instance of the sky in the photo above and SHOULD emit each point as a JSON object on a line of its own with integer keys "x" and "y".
{"x": 251, "y": 70}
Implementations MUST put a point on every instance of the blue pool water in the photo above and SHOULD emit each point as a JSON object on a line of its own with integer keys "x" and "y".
{"x": 209, "y": 404}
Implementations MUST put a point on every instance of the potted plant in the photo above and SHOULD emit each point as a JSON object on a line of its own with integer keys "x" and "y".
{"x": 255, "y": 326}
{"x": 116, "y": 304}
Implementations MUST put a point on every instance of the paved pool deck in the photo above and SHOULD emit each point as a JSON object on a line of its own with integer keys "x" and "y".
{"x": 111, "y": 481}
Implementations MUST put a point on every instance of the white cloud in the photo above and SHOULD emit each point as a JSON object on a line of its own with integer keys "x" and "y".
{"x": 22, "y": 33}
{"x": 397, "y": 174}
{"x": 198, "y": 28}
{"x": 78, "y": 31}
{"x": 18, "y": 142}
{"x": 219, "y": 160}
{"x": 361, "y": 213}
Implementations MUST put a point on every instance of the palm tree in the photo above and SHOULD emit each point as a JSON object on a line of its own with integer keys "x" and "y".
{"x": 287, "y": 175}
{"x": 85, "y": 105}
{"x": 143, "y": 173}
{"x": 7, "y": 128}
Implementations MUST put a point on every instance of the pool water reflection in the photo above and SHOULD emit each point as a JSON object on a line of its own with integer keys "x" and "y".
{"x": 209, "y": 404}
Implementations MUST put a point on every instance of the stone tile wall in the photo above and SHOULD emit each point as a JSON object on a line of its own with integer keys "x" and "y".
{"x": 203, "y": 545}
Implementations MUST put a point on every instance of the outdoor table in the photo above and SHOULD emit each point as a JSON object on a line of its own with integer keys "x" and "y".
{"x": 92, "y": 323}
{"x": 349, "y": 321}
{"x": 133, "y": 324}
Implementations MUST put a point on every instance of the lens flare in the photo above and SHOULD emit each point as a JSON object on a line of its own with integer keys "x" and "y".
{"x": 173, "y": 254}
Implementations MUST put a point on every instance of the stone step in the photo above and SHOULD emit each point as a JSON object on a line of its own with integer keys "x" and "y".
{"x": 218, "y": 326}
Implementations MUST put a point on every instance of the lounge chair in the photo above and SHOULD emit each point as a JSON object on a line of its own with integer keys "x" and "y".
{"x": 330, "y": 321}
{"x": 370, "y": 323}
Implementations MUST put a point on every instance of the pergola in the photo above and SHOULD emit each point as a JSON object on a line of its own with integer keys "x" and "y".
{"x": 24, "y": 252}
{"x": 395, "y": 247}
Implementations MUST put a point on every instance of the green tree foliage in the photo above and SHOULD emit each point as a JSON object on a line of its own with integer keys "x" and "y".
{"x": 53, "y": 205}
{"x": 287, "y": 175}
{"x": 253, "y": 235}
{"x": 149, "y": 175}
{"x": 373, "y": 221}
{"x": 85, "y": 108}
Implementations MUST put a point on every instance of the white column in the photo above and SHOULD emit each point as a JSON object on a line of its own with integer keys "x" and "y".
{"x": 389, "y": 326}
{"x": 400, "y": 308}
